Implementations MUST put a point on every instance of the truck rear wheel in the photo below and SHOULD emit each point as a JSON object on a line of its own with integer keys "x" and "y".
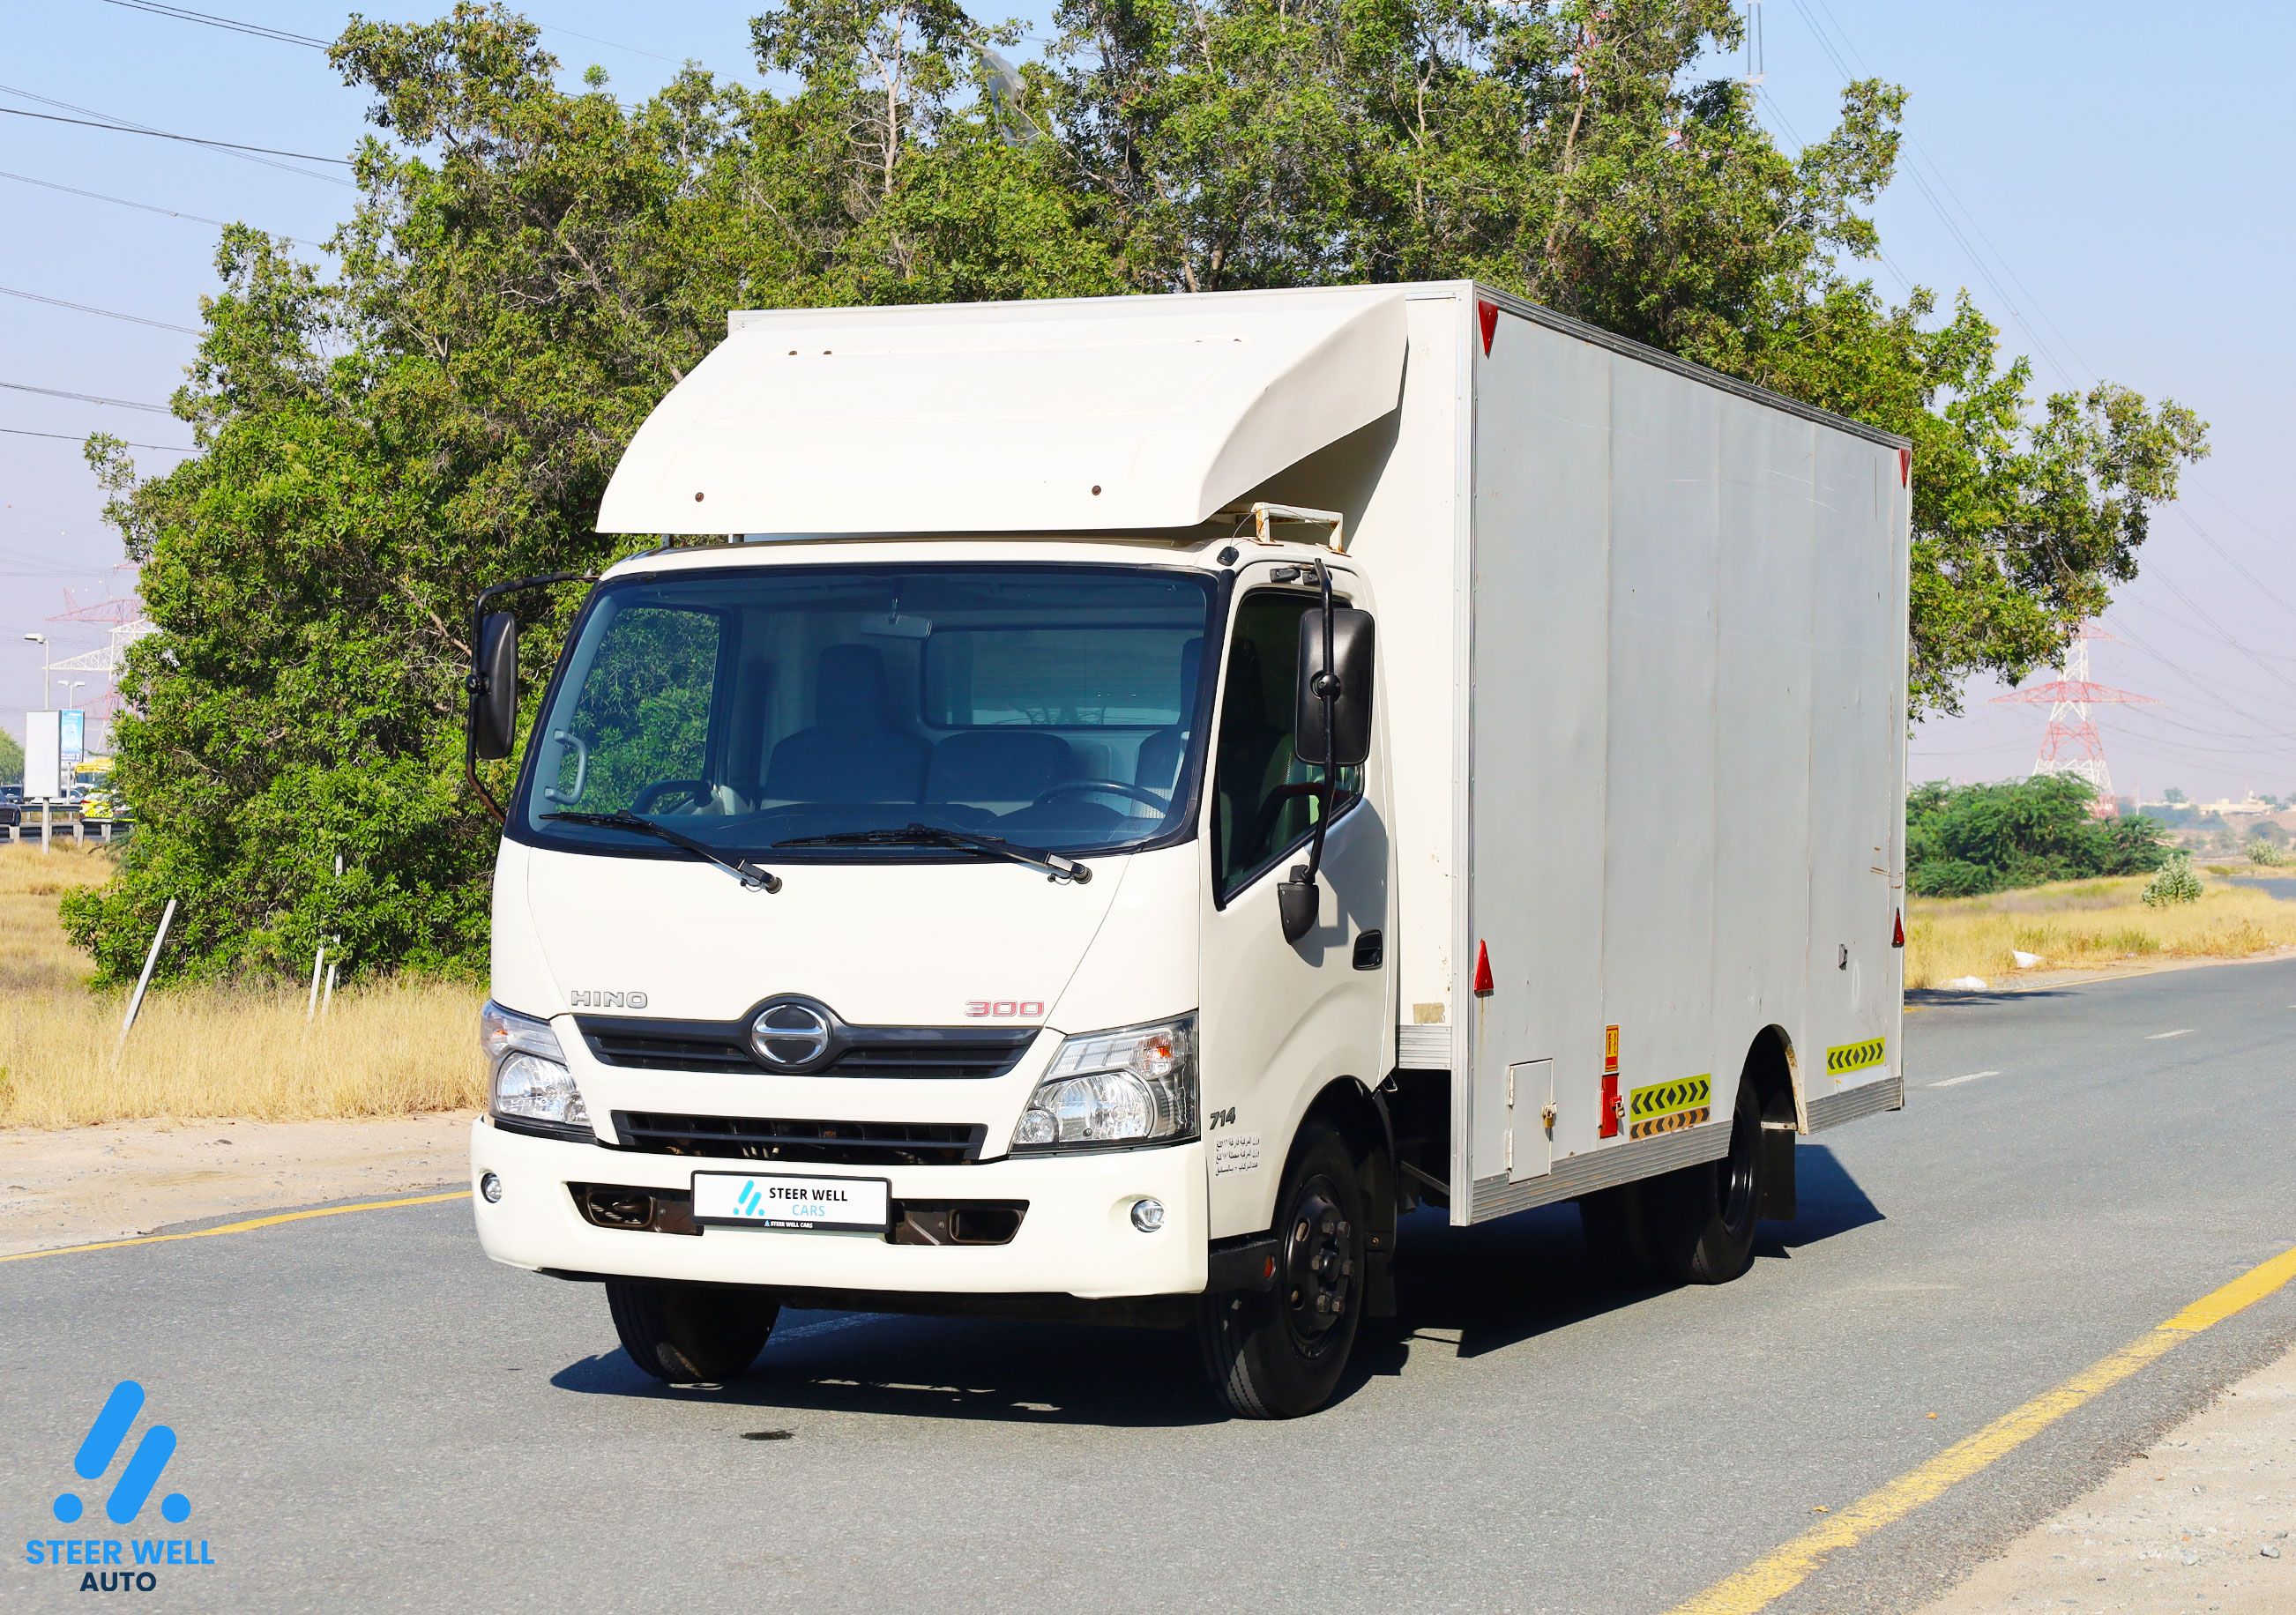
{"x": 1702, "y": 1218}
{"x": 691, "y": 1334}
{"x": 1281, "y": 1354}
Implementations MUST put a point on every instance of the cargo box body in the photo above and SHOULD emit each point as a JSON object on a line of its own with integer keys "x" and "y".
{"x": 1648, "y": 627}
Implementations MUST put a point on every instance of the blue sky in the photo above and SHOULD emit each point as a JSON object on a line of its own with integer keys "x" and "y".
{"x": 2111, "y": 180}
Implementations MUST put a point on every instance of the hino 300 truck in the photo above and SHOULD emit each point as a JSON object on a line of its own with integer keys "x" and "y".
{"x": 1097, "y": 809}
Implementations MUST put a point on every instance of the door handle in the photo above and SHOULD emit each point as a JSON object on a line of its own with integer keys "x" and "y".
{"x": 1370, "y": 950}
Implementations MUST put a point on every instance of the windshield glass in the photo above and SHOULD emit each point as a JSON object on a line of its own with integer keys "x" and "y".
{"x": 1052, "y": 706}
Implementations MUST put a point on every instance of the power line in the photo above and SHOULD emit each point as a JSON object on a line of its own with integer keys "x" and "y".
{"x": 1912, "y": 173}
{"x": 260, "y": 31}
{"x": 1787, "y": 124}
{"x": 193, "y": 140}
{"x": 65, "y": 437}
{"x": 552, "y": 28}
{"x": 1923, "y": 153}
{"x": 109, "y": 314}
{"x": 2208, "y": 538}
{"x": 112, "y": 121}
{"x": 86, "y": 397}
{"x": 1923, "y": 159}
{"x": 200, "y": 219}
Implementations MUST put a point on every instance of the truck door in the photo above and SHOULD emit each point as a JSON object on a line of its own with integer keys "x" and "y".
{"x": 1281, "y": 1018}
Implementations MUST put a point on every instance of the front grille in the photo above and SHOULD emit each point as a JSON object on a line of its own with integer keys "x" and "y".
{"x": 863, "y": 1051}
{"x": 877, "y": 1144}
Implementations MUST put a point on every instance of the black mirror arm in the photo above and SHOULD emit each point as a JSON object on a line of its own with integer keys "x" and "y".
{"x": 474, "y": 683}
{"x": 1327, "y": 691}
{"x": 1297, "y": 898}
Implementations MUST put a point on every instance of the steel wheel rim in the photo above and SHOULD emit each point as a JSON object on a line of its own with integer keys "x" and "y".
{"x": 1318, "y": 1291}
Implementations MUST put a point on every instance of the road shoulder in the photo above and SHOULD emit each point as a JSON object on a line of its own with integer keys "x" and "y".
{"x": 79, "y": 1184}
{"x": 2198, "y": 1520}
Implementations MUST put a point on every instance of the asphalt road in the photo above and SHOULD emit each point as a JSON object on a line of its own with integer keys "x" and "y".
{"x": 372, "y": 1416}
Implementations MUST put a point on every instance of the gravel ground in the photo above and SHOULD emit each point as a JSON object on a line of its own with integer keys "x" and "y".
{"x": 2198, "y": 1521}
{"x": 78, "y": 1184}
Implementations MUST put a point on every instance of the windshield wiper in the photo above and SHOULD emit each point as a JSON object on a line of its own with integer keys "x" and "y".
{"x": 753, "y": 879}
{"x": 1052, "y": 864}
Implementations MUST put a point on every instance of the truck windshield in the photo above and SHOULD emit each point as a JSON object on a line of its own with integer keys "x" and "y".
{"x": 753, "y": 709}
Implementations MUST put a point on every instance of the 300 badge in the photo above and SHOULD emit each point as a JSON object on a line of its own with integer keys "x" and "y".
{"x": 1006, "y": 1008}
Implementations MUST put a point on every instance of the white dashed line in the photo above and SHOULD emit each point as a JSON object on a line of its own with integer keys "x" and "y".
{"x": 2182, "y": 1031}
{"x": 1973, "y": 1077}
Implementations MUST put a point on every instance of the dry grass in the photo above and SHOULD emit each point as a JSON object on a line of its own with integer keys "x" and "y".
{"x": 2087, "y": 925}
{"x": 389, "y": 1050}
{"x": 34, "y": 956}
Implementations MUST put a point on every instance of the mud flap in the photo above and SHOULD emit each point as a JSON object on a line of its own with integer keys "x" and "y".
{"x": 1777, "y": 1172}
{"x": 1379, "y": 1284}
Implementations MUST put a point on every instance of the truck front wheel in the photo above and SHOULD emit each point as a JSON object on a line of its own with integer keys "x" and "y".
{"x": 1281, "y": 1354}
{"x": 691, "y": 1334}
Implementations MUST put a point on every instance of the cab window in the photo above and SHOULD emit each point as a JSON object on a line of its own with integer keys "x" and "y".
{"x": 1264, "y": 798}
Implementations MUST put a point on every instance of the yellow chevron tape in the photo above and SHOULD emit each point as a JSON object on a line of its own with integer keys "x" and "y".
{"x": 1845, "y": 1058}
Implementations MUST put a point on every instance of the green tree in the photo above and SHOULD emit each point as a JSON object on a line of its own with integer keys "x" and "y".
{"x": 12, "y": 760}
{"x": 531, "y": 265}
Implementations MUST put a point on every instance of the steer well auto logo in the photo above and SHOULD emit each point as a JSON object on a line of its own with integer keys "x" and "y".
{"x": 112, "y": 1563}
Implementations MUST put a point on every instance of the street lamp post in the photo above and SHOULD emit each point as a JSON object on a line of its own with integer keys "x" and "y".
{"x": 41, "y": 640}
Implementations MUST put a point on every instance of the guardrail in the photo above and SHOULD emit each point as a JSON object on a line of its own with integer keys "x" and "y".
{"x": 22, "y": 824}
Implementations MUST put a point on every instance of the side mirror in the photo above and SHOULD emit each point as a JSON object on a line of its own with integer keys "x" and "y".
{"x": 1296, "y": 901}
{"x": 1350, "y": 742}
{"x": 494, "y": 686}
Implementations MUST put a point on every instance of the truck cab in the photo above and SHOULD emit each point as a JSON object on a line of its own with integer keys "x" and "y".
{"x": 994, "y": 845}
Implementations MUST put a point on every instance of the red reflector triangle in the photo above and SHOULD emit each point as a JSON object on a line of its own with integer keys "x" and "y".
{"x": 1483, "y": 987}
{"x": 1487, "y": 315}
{"x": 1905, "y": 456}
{"x": 1898, "y": 930}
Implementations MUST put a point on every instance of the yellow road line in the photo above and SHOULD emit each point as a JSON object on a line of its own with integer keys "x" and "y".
{"x": 248, "y": 1226}
{"x": 1779, "y": 1572}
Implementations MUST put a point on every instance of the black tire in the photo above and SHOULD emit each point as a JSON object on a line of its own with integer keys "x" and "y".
{"x": 1281, "y": 1354}
{"x": 1702, "y": 1218}
{"x": 691, "y": 1334}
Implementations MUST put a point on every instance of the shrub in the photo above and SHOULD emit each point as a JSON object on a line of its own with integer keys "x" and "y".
{"x": 1967, "y": 840}
{"x": 2175, "y": 883}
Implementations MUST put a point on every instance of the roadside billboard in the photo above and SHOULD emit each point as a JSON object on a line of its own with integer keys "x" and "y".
{"x": 43, "y": 757}
{"x": 72, "y": 738}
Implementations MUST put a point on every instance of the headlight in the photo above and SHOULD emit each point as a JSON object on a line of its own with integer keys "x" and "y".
{"x": 528, "y": 1079}
{"x": 1137, "y": 1085}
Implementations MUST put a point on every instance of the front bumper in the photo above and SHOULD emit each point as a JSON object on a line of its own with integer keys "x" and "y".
{"x": 1077, "y": 1238}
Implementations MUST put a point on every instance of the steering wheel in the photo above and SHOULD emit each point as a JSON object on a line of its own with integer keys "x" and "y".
{"x": 654, "y": 794}
{"x": 1162, "y": 804}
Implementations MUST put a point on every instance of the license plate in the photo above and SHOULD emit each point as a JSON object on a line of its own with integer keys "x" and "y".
{"x": 778, "y": 1201}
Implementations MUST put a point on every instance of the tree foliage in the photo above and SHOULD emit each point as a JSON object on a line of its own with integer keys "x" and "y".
{"x": 1962, "y": 842}
{"x": 532, "y": 262}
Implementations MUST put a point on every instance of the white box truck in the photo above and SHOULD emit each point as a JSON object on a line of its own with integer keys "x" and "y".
{"x": 1099, "y": 807}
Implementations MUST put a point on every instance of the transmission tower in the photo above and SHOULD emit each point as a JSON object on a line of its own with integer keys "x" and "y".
{"x": 123, "y": 622}
{"x": 2071, "y": 744}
